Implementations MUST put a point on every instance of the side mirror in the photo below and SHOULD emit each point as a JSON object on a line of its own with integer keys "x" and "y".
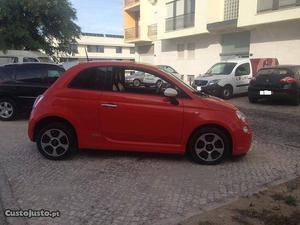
{"x": 170, "y": 92}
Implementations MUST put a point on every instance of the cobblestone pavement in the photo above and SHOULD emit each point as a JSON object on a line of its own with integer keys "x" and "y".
{"x": 121, "y": 188}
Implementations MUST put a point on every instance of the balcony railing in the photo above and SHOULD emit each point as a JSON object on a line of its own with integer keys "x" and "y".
{"x": 180, "y": 22}
{"x": 131, "y": 33}
{"x": 131, "y": 2}
{"x": 152, "y": 30}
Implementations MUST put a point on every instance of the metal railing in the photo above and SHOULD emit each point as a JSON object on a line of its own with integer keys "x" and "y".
{"x": 180, "y": 22}
{"x": 131, "y": 2}
{"x": 131, "y": 33}
{"x": 152, "y": 30}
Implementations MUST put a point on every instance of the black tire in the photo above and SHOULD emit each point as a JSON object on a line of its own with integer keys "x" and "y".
{"x": 296, "y": 101}
{"x": 9, "y": 104}
{"x": 62, "y": 153}
{"x": 252, "y": 99}
{"x": 227, "y": 92}
{"x": 216, "y": 156}
{"x": 136, "y": 83}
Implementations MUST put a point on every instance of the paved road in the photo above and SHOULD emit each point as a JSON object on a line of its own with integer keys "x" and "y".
{"x": 121, "y": 188}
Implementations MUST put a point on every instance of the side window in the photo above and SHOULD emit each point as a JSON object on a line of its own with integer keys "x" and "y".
{"x": 89, "y": 79}
{"x": 27, "y": 59}
{"x": 30, "y": 73}
{"x": 53, "y": 74}
{"x": 243, "y": 69}
{"x": 130, "y": 80}
{"x": 5, "y": 75}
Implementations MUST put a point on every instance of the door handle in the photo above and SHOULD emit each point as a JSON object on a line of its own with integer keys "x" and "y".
{"x": 107, "y": 105}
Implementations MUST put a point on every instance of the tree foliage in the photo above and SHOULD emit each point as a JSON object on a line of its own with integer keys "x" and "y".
{"x": 38, "y": 25}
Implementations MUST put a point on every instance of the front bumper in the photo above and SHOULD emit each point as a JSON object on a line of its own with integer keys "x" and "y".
{"x": 242, "y": 141}
{"x": 214, "y": 89}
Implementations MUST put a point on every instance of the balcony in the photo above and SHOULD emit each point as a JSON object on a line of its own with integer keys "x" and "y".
{"x": 132, "y": 5}
{"x": 131, "y": 33}
{"x": 180, "y": 22}
{"x": 230, "y": 20}
{"x": 152, "y": 31}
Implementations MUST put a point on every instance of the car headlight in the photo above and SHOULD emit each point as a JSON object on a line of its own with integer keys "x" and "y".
{"x": 241, "y": 116}
{"x": 38, "y": 100}
{"x": 213, "y": 82}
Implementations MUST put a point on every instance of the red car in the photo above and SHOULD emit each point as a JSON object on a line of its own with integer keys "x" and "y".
{"x": 91, "y": 107}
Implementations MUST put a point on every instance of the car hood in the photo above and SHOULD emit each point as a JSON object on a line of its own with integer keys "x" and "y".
{"x": 217, "y": 103}
{"x": 211, "y": 77}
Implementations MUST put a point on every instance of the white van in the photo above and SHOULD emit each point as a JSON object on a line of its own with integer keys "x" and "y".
{"x": 224, "y": 79}
{"x": 19, "y": 56}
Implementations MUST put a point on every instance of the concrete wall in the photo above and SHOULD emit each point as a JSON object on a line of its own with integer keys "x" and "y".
{"x": 280, "y": 40}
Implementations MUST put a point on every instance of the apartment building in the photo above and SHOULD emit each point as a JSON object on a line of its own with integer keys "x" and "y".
{"x": 101, "y": 47}
{"x": 192, "y": 35}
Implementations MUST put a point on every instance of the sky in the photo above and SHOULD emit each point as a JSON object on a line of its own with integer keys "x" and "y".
{"x": 99, "y": 16}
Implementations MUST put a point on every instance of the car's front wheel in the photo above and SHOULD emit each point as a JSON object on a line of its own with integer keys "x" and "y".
{"x": 227, "y": 92}
{"x": 136, "y": 83}
{"x": 209, "y": 146}
{"x": 8, "y": 109}
{"x": 56, "y": 141}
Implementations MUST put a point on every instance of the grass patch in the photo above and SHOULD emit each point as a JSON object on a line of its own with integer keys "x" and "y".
{"x": 270, "y": 218}
{"x": 289, "y": 200}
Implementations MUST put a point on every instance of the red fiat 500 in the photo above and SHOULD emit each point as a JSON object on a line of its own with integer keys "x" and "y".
{"x": 92, "y": 106}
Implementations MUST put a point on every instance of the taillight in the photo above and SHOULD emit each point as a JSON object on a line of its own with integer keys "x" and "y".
{"x": 252, "y": 80}
{"x": 288, "y": 80}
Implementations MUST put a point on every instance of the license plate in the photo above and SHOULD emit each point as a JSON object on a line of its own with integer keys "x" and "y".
{"x": 199, "y": 88}
{"x": 265, "y": 92}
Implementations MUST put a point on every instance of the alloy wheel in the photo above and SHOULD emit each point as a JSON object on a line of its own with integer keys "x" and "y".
{"x": 209, "y": 147}
{"x": 55, "y": 142}
{"x": 6, "y": 110}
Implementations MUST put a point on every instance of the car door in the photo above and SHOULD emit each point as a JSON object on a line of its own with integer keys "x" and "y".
{"x": 140, "y": 115}
{"x": 242, "y": 78}
{"x": 30, "y": 83}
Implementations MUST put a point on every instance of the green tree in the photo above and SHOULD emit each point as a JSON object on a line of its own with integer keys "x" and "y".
{"x": 38, "y": 25}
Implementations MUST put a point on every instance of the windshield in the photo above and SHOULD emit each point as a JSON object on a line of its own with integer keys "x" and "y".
{"x": 167, "y": 69}
{"x": 221, "y": 69}
{"x": 185, "y": 84}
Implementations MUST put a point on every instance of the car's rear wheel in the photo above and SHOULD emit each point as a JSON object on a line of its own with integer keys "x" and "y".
{"x": 296, "y": 100}
{"x": 209, "y": 146}
{"x": 136, "y": 83}
{"x": 8, "y": 109}
{"x": 56, "y": 141}
{"x": 227, "y": 92}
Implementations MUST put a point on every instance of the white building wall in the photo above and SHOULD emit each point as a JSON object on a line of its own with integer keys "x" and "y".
{"x": 279, "y": 40}
{"x": 207, "y": 52}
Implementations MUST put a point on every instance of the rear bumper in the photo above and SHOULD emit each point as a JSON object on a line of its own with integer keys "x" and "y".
{"x": 254, "y": 92}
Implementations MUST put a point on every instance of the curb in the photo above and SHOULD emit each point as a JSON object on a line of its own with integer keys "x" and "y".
{"x": 8, "y": 201}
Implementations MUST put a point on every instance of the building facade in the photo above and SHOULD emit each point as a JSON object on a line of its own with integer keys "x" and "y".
{"x": 101, "y": 47}
{"x": 192, "y": 35}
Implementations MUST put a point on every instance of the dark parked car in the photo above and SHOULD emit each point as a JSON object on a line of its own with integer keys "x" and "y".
{"x": 20, "y": 84}
{"x": 276, "y": 82}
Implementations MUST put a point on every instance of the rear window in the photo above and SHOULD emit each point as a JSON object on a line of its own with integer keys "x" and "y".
{"x": 275, "y": 71}
{"x": 89, "y": 79}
